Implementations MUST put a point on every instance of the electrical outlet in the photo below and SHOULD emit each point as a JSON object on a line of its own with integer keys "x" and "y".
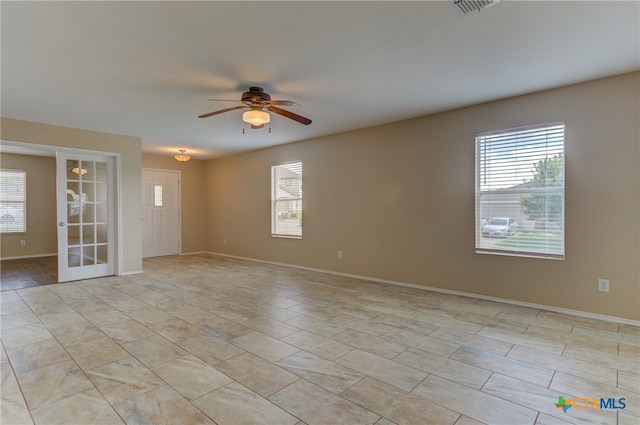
{"x": 23, "y": 242}
{"x": 339, "y": 255}
{"x": 603, "y": 285}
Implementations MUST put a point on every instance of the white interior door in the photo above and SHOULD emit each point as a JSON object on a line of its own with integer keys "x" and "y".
{"x": 160, "y": 213}
{"x": 86, "y": 216}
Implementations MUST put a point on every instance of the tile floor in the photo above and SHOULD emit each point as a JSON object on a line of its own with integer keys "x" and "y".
{"x": 210, "y": 340}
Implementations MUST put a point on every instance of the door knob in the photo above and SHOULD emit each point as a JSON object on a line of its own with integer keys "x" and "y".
{"x": 61, "y": 224}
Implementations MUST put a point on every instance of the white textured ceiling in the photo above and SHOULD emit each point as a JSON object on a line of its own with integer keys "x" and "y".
{"x": 146, "y": 69}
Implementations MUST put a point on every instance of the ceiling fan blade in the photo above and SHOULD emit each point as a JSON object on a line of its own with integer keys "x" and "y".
{"x": 284, "y": 103}
{"x": 221, "y": 111}
{"x": 223, "y": 100}
{"x": 290, "y": 115}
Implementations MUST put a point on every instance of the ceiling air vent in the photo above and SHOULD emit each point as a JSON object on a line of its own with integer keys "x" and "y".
{"x": 467, "y": 6}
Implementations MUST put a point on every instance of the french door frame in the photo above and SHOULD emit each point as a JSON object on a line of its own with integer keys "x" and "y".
{"x": 35, "y": 149}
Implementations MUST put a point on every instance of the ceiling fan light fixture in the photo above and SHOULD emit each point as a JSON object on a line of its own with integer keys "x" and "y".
{"x": 182, "y": 157}
{"x": 79, "y": 170}
{"x": 256, "y": 117}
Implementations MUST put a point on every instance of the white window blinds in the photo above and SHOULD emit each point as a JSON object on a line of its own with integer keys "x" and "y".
{"x": 13, "y": 201}
{"x": 520, "y": 191}
{"x": 286, "y": 200}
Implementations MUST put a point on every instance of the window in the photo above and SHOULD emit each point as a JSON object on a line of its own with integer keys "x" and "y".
{"x": 520, "y": 191}
{"x": 286, "y": 200}
{"x": 13, "y": 201}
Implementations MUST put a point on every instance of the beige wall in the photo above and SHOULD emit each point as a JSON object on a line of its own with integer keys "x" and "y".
{"x": 398, "y": 200}
{"x": 41, "y": 234}
{"x": 129, "y": 149}
{"x": 192, "y": 186}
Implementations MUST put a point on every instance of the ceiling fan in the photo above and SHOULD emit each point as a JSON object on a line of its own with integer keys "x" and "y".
{"x": 256, "y": 101}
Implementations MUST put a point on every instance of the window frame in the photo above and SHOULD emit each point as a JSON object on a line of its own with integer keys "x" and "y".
{"x": 276, "y": 230}
{"x": 22, "y": 204}
{"x": 548, "y": 246}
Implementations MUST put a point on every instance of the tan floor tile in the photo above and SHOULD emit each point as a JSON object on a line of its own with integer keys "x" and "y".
{"x": 124, "y": 332}
{"x": 270, "y": 327}
{"x": 264, "y": 346}
{"x": 398, "y": 406}
{"x": 260, "y": 376}
{"x": 61, "y": 317}
{"x": 317, "y": 406}
{"x": 123, "y": 379}
{"x": 372, "y": 344}
{"x": 315, "y": 326}
{"x": 237, "y": 405}
{"x": 210, "y": 349}
{"x": 536, "y": 342}
{"x": 627, "y": 364}
{"x": 433, "y": 319}
{"x": 628, "y": 381}
{"x": 422, "y": 342}
{"x": 234, "y": 305}
{"x": 37, "y": 355}
{"x": 154, "y": 350}
{"x": 161, "y": 406}
{"x": 443, "y": 367}
{"x": 88, "y": 407}
{"x": 315, "y": 369}
{"x": 360, "y": 325}
{"x": 323, "y": 347}
{"x": 400, "y": 324}
{"x": 74, "y": 334}
{"x": 16, "y": 320}
{"x": 191, "y": 377}
{"x": 8, "y": 383}
{"x": 549, "y": 420}
{"x": 13, "y": 409}
{"x": 543, "y": 400}
{"x": 14, "y": 307}
{"x": 394, "y": 373}
{"x": 575, "y": 367}
{"x": 631, "y": 351}
{"x": 53, "y": 383}
{"x": 585, "y": 387}
{"x": 474, "y": 404}
{"x": 25, "y": 335}
{"x": 574, "y": 339}
{"x": 149, "y": 316}
{"x": 504, "y": 365}
{"x": 105, "y": 317}
{"x": 464, "y": 420}
{"x": 626, "y": 419}
{"x": 480, "y": 342}
{"x": 223, "y": 328}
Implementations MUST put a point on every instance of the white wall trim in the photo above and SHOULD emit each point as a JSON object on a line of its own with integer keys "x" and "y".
{"x": 20, "y": 257}
{"x": 130, "y": 273}
{"x": 571, "y": 312}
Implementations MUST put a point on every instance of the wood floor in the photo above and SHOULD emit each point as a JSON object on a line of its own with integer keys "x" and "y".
{"x": 210, "y": 340}
{"x": 28, "y": 272}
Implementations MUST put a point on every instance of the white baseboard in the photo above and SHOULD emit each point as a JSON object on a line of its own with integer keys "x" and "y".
{"x": 130, "y": 273}
{"x": 22, "y": 257}
{"x": 571, "y": 312}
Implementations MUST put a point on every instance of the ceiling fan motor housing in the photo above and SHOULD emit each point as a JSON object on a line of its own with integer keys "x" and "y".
{"x": 255, "y": 95}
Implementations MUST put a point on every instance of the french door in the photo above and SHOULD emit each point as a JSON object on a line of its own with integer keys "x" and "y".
{"x": 86, "y": 216}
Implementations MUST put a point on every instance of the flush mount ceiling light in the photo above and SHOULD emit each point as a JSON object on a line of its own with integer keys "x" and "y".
{"x": 256, "y": 117}
{"x": 467, "y": 6}
{"x": 182, "y": 157}
{"x": 78, "y": 170}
